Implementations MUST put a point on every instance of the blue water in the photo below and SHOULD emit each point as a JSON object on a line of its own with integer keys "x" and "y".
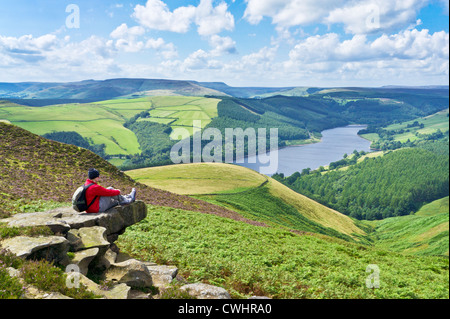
{"x": 335, "y": 143}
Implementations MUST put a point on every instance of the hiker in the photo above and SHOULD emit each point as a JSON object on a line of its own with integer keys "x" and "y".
{"x": 105, "y": 198}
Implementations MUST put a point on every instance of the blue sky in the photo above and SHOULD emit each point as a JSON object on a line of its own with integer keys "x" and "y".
{"x": 240, "y": 42}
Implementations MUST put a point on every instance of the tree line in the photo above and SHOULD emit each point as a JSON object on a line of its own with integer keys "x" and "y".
{"x": 395, "y": 184}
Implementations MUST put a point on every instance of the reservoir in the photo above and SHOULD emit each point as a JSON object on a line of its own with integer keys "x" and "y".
{"x": 335, "y": 143}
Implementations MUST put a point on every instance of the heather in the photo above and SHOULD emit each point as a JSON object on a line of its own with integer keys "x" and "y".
{"x": 36, "y": 172}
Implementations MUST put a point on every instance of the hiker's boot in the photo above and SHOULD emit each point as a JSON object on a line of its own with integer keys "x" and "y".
{"x": 133, "y": 194}
{"x": 125, "y": 200}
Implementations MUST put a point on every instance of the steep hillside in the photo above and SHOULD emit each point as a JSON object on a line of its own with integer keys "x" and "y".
{"x": 34, "y": 168}
{"x": 253, "y": 195}
{"x": 424, "y": 233}
{"x": 269, "y": 261}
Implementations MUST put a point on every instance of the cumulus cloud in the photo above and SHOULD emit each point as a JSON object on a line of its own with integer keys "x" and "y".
{"x": 167, "y": 50}
{"x": 27, "y": 47}
{"x": 369, "y": 16}
{"x": 288, "y": 13}
{"x": 357, "y": 17}
{"x": 404, "y": 56}
{"x": 49, "y": 57}
{"x": 213, "y": 20}
{"x": 406, "y": 45}
{"x": 222, "y": 45}
{"x": 209, "y": 20}
{"x": 126, "y": 38}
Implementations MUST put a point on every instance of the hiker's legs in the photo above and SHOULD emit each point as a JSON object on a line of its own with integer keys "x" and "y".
{"x": 107, "y": 203}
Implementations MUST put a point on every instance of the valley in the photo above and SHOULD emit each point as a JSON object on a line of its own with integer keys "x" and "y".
{"x": 310, "y": 234}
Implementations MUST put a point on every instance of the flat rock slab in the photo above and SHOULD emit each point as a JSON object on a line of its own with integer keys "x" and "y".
{"x": 89, "y": 237}
{"x": 61, "y": 220}
{"x": 54, "y": 247}
{"x": 37, "y": 219}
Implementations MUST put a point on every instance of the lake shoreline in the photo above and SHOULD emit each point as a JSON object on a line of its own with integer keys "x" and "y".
{"x": 338, "y": 141}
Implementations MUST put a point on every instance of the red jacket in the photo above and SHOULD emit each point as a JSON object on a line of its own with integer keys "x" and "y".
{"x": 97, "y": 190}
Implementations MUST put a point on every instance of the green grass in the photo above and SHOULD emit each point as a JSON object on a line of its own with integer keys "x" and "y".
{"x": 425, "y": 233}
{"x": 102, "y": 122}
{"x": 251, "y": 194}
{"x": 432, "y": 123}
{"x": 195, "y": 179}
{"x": 249, "y": 260}
{"x": 437, "y": 207}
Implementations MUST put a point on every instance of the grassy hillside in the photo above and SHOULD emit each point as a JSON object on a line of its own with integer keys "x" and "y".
{"x": 35, "y": 169}
{"x": 199, "y": 179}
{"x": 255, "y": 196}
{"x": 103, "y": 122}
{"x": 425, "y": 233}
{"x": 182, "y": 111}
{"x": 248, "y": 260}
{"x": 411, "y": 130}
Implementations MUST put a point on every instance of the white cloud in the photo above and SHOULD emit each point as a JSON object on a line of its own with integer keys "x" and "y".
{"x": 49, "y": 58}
{"x": 410, "y": 55}
{"x": 156, "y": 15}
{"x": 368, "y": 16}
{"x": 213, "y": 20}
{"x": 123, "y": 31}
{"x": 222, "y": 45}
{"x": 126, "y": 38}
{"x": 28, "y": 43}
{"x": 357, "y": 17}
{"x": 167, "y": 50}
{"x": 210, "y": 20}
{"x": 407, "y": 45}
{"x": 288, "y": 13}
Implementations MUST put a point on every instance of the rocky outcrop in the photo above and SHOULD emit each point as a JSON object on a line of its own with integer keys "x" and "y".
{"x": 51, "y": 248}
{"x": 84, "y": 243}
{"x": 61, "y": 220}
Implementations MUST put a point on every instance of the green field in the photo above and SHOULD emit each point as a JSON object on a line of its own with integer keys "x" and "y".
{"x": 424, "y": 233}
{"x": 253, "y": 195}
{"x": 181, "y": 112}
{"x": 432, "y": 124}
{"x": 102, "y": 122}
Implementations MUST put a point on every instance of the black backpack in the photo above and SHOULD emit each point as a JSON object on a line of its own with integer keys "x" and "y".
{"x": 79, "y": 202}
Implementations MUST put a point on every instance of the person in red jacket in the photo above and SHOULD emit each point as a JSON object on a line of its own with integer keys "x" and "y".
{"x": 105, "y": 198}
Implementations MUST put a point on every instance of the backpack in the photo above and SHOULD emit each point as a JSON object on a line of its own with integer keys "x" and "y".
{"x": 79, "y": 202}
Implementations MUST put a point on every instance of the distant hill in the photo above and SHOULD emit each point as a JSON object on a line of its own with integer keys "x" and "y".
{"x": 93, "y": 90}
{"x": 244, "y": 92}
{"x": 102, "y": 90}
